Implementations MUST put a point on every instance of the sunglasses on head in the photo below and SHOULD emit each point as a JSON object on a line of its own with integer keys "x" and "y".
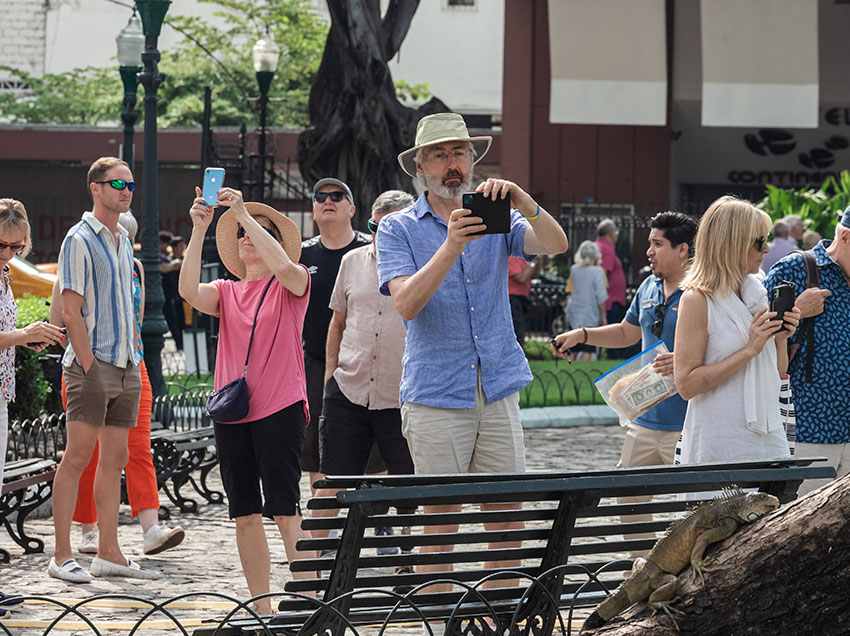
{"x": 336, "y": 196}
{"x": 658, "y": 324}
{"x": 120, "y": 184}
{"x": 240, "y": 231}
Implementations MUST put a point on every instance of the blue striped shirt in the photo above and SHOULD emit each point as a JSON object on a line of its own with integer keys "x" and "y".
{"x": 466, "y": 326}
{"x": 99, "y": 267}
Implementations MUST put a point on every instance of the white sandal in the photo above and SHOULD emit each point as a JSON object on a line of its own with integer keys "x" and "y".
{"x": 69, "y": 571}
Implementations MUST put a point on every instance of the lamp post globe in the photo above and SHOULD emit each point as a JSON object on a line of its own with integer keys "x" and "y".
{"x": 152, "y": 13}
{"x": 265, "y": 55}
{"x": 131, "y": 44}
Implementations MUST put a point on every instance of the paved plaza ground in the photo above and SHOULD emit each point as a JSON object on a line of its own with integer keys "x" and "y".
{"x": 208, "y": 559}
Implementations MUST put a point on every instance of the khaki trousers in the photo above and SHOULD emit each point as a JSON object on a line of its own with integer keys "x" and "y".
{"x": 838, "y": 456}
{"x": 645, "y": 447}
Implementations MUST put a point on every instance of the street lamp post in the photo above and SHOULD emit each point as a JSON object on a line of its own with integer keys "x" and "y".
{"x": 154, "y": 327}
{"x": 266, "y": 55}
{"x": 131, "y": 44}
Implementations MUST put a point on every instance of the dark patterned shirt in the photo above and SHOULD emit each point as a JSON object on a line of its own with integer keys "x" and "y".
{"x": 822, "y": 406}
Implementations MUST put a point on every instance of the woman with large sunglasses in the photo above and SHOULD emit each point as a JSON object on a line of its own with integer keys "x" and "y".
{"x": 730, "y": 349}
{"x": 261, "y": 247}
{"x": 15, "y": 240}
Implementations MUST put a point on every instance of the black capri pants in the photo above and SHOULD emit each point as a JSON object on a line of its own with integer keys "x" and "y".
{"x": 264, "y": 453}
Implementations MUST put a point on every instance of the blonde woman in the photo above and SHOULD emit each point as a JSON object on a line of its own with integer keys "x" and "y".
{"x": 586, "y": 306}
{"x": 729, "y": 349}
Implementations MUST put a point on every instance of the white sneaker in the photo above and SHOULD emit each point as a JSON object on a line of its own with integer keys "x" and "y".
{"x": 159, "y": 539}
{"x": 70, "y": 571}
{"x": 103, "y": 568}
{"x": 88, "y": 544}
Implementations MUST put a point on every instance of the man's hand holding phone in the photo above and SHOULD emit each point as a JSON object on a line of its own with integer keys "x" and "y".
{"x": 462, "y": 230}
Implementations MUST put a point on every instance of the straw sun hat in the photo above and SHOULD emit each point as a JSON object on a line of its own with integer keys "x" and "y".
{"x": 439, "y": 129}
{"x": 227, "y": 243}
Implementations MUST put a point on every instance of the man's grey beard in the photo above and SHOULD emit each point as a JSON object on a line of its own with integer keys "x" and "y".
{"x": 422, "y": 183}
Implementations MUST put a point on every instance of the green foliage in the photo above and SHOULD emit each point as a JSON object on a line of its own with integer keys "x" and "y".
{"x": 818, "y": 208}
{"x": 215, "y": 55}
{"x": 34, "y": 391}
{"x": 412, "y": 94}
{"x": 87, "y": 96}
{"x": 182, "y": 382}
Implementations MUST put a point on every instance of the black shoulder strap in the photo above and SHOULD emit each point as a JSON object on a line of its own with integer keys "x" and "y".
{"x": 808, "y": 327}
{"x": 254, "y": 325}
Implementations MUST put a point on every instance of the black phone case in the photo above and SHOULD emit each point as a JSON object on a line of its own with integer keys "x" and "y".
{"x": 782, "y": 300}
{"x": 496, "y": 214}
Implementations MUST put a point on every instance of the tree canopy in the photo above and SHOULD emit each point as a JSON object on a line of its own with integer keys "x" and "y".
{"x": 215, "y": 53}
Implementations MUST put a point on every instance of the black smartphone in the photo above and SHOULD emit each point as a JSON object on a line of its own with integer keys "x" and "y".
{"x": 496, "y": 214}
{"x": 782, "y": 299}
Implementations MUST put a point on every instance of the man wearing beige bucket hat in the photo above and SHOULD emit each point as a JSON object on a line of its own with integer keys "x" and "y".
{"x": 261, "y": 316}
{"x": 463, "y": 366}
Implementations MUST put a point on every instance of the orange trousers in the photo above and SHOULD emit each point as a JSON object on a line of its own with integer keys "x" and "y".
{"x": 142, "y": 488}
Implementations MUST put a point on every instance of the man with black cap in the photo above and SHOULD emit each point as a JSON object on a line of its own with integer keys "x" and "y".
{"x": 333, "y": 210}
{"x": 819, "y": 368}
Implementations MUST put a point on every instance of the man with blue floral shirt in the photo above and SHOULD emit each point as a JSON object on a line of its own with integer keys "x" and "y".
{"x": 821, "y": 397}
{"x": 463, "y": 367}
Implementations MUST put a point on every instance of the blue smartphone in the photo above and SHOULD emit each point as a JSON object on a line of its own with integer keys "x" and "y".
{"x": 213, "y": 182}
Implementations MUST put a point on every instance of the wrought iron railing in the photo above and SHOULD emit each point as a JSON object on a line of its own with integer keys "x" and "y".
{"x": 472, "y": 615}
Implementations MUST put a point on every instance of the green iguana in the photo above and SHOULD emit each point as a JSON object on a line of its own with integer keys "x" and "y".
{"x": 654, "y": 580}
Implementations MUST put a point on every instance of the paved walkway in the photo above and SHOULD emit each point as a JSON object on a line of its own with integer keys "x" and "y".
{"x": 208, "y": 560}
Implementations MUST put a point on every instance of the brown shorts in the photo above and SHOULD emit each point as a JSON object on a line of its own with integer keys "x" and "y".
{"x": 105, "y": 396}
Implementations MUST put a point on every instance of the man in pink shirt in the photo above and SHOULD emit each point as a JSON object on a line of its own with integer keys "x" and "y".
{"x": 615, "y": 306}
{"x": 520, "y": 273}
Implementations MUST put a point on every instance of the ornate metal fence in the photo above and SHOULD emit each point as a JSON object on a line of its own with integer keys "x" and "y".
{"x": 472, "y": 615}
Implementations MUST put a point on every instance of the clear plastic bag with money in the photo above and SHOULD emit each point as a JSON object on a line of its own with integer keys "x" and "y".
{"x": 634, "y": 387}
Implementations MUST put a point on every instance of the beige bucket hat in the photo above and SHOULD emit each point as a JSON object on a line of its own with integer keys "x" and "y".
{"x": 227, "y": 243}
{"x": 439, "y": 129}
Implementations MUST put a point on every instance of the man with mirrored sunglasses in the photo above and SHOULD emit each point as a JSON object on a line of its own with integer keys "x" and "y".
{"x": 333, "y": 211}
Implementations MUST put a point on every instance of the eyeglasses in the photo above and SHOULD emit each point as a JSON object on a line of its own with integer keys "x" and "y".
{"x": 372, "y": 225}
{"x": 760, "y": 242}
{"x": 17, "y": 248}
{"x": 658, "y": 325}
{"x": 336, "y": 196}
{"x": 442, "y": 156}
{"x": 241, "y": 233}
{"x": 120, "y": 184}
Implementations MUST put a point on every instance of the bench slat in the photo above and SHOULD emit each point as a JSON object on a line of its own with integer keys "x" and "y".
{"x": 354, "y": 481}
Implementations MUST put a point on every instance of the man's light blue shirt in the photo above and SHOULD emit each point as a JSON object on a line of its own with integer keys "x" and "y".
{"x": 466, "y": 327}
{"x": 670, "y": 414}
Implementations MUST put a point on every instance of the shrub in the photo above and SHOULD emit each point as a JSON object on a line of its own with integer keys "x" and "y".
{"x": 34, "y": 391}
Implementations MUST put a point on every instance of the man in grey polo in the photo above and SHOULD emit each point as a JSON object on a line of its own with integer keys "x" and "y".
{"x": 463, "y": 367}
{"x": 100, "y": 370}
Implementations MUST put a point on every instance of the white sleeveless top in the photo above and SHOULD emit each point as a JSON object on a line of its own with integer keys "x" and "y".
{"x": 715, "y": 427}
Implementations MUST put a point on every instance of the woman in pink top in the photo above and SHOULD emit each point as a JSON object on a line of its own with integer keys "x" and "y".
{"x": 261, "y": 247}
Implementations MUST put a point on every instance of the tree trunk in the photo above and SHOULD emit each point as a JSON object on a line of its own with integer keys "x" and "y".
{"x": 357, "y": 125}
{"x": 786, "y": 574}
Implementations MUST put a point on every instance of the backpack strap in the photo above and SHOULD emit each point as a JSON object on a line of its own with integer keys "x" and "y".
{"x": 807, "y": 329}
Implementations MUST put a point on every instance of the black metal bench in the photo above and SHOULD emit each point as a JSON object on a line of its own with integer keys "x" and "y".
{"x": 178, "y": 455}
{"x": 183, "y": 445}
{"x": 566, "y": 516}
{"x": 27, "y": 483}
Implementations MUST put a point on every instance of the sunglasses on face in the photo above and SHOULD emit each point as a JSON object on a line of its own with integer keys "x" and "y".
{"x": 336, "y": 196}
{"x": 658, "y": 324}
{"x": 120, "y": 184}
{"x": 760, "y": 242}
{"x": 17, "y": 248}
{"x": 241, "y": 233}
{"x": 372, "y": 225}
